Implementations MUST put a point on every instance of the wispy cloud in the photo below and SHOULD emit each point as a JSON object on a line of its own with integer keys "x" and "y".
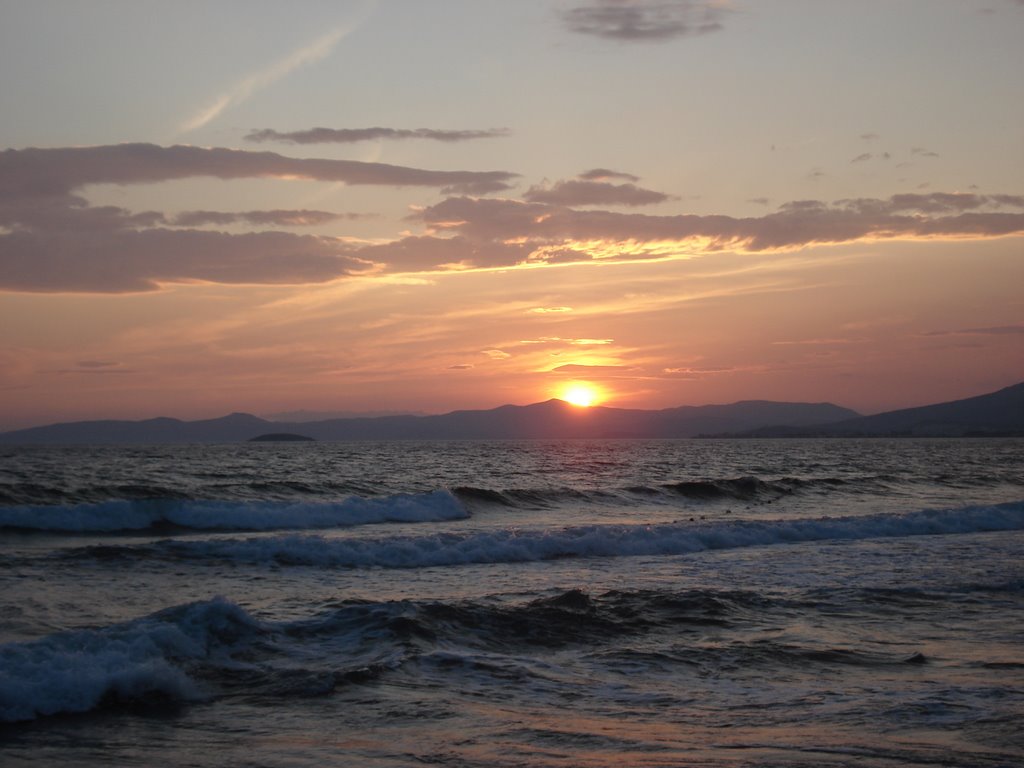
{"x": 604, "y": 174}
{"x": 353, "y": 135}
{"x": 995, "y": 330}
{"x": 310, "y": 53}
{"x": 277, "y": 218}
{"x": 578, "y": 368}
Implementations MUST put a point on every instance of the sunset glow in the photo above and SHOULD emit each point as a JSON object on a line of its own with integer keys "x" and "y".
{"x": 582, "y": 395}
{"x": 250, "y": 228}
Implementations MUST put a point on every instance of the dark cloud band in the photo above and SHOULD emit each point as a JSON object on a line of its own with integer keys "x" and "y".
{"x": 353, "y": 135}
{"x": 62, "y": 170}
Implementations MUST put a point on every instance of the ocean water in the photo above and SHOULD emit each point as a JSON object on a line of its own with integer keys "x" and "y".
{"x": 583, "y": 603}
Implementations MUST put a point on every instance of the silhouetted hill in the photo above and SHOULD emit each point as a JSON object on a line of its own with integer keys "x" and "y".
{"x": 997, "y": 413}
{"x": 280, "y": 437}
{"x": 553, "y": 419}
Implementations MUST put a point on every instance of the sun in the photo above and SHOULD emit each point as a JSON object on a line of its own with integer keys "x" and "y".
{"x": 582, "y": 395}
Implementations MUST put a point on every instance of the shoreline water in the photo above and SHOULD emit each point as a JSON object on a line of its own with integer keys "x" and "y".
{"x": 607, "y": 603}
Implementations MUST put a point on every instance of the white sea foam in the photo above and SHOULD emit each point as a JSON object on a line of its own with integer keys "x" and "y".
{"x": 125, "y": 515}
{"x": 512, "y": 545}
{"x": 77, "y": 671}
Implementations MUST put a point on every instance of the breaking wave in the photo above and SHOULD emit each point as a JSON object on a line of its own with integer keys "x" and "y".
{"x": 137, "y": 662}
{"x": 155, "y": 514}
{"x": 514, "y": 545}
{"x": 215, "y": 649}
{"x": 748, "y": 489}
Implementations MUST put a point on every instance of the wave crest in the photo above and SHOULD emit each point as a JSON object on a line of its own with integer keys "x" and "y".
{"x": 514, "y": 545}
{"x": 156, "y": 514}
{"x": 80, "y": 671}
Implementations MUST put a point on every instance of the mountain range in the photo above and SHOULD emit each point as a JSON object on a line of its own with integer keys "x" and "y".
{"x": 553, "y": 419}
{"x": 997, "y": 413}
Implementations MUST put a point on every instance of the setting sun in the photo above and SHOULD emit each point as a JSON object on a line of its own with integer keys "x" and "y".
{"x": 582, "y": 395}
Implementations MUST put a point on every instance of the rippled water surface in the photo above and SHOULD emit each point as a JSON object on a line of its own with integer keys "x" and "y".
{"x": 584, "y": 603}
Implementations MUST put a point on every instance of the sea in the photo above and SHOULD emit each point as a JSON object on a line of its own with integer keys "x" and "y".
{"x": 697, "y": 602}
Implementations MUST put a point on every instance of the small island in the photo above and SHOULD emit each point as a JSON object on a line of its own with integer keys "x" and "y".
{"x": 281, "y": 437}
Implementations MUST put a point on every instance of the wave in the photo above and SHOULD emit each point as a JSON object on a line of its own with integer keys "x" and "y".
{"x": 198, "y": 652}
{"x": 140, "y": 661}
{"x": 156, "y": 514}
{"x": 751, "y": 488}
{"x": 214, "y": 649}
{"x": 515, "y": 545}
{"x": 748, "y": 488}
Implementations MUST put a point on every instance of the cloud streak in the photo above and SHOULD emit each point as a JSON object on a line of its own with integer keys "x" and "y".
{"x": 60, "y": 170}
{"x": 312, "y": 52}
{"x": 353, "y": 135}
{"x": 278, "y": 218}
{"x": 996, "y": 330}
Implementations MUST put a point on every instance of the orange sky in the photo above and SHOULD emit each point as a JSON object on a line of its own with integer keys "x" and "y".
{"x": 326, "y": 211}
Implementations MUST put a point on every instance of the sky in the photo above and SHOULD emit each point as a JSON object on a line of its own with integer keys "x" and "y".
{"x": 366, "y": 206}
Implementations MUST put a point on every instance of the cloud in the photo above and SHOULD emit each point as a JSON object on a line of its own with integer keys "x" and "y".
{"x": 603, "y": 174}
{"x": 51, "y": 239}
{"x": 582, "y": 192}
{"x": 541, "y": 230}
{"x": 278, "y": 218}
{"x": 94, "y": 371}
{"x": 426, "y": 252}
{"x": 560, "y": 341}
{"x": 577, "y": 368}
{"x": 352, "y": 135}
{"x": 817, "y": 342}
{"x": 996, "y": 330}
{"x": 931, "y": 203}
{"x": 862, "y": 158}
{"x": 644, "y": 20}
{"x": 688, "y": 371}
{"x": 549, "y": 310}
{"x": 31, "y": 172}
{"x": 922, "y": 152}
{"x": 118, "y": 261}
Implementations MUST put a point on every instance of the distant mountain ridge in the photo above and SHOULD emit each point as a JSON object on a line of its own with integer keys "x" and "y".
{"x": 996, "y": 413}
{"x": 553, "y": 419}
{"x": 999, "y": 413}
